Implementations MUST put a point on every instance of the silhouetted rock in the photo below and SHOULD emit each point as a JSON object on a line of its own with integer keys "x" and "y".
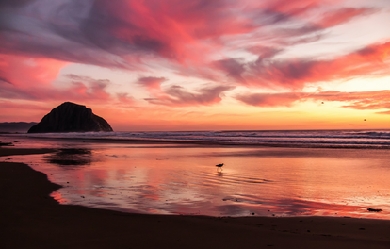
{"x": 69, "y": 117}
{"x": 6, "y": 144}
{"x": 374, "y": 209}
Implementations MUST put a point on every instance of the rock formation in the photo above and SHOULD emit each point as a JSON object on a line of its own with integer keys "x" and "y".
{"x": 70, "y": 117}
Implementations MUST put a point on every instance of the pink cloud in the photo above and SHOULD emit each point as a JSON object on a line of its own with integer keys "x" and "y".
{"x": 24, "y": 78}
{"x": 296, "y": 73}
{"x": 38, "y": 39}
{"x": 125, "y": 98}
{"x": 24, "y": 72}
{"x": 177, "y": 96}
{"x": 123, "y": 33}
{"x": 88, "y": 88}
{"x": 181, "y": 31}
{"x": 343, "y": 15}
{"x": 117, "y": 34}
{"x": 20, "y": 75}
{"x": 286, "y": 99}
{"x": 265, "y": 51}
{"x": 151, "y": 83}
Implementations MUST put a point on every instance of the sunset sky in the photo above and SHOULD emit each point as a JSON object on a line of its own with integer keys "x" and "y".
{"x": 199, "y": 64}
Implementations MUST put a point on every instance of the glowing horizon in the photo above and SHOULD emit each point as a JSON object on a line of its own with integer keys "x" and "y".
{"x": 199, "y": 65}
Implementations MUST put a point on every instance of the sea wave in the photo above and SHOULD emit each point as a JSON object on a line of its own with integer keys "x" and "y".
{"x": 303, "y": 138}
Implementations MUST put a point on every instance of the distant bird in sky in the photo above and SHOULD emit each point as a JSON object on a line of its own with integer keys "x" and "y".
{"x": 219, "y": 166}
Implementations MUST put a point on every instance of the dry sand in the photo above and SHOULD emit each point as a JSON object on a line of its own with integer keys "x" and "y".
{"x": 31, "y": 219}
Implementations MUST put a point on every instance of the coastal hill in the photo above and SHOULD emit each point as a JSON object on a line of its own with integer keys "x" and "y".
{"x": 15, "y": 127}
{"x": 70, "y": 117}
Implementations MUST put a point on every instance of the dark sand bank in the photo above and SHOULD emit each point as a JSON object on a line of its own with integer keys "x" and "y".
{"x": 7, "y": 151}
{"x": 31, "y": 219}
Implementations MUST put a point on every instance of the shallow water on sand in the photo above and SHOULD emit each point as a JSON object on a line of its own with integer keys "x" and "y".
{"x": 177, "y": 179}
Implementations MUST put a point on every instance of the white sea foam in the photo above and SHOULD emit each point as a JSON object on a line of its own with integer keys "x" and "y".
{"x": 308, "y": 138}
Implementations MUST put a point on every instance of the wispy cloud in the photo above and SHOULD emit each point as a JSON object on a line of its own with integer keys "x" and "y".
{"x": 79, "y": 88}
{"x": 298, "y": 72}
{"x": 258, "y": 45}
{"x": 285, "y": 99}
{"x": 362, "y": 100}
{"x": 125, "y": 98}
{"x": 177, "y": 96}
{"x": 151, "y": 83}
{"x": 343, "y": 15}
{"x": 125, "y": 33}
{"x": 24, "y": 72}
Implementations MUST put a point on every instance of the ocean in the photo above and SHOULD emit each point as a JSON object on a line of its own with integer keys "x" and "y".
{"x": 265, "y": 173}
{"x": 376, "y": 139}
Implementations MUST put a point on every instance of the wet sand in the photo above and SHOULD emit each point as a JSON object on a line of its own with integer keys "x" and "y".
{"x": 7, "y": 151}
{"x": 30, "y": 218}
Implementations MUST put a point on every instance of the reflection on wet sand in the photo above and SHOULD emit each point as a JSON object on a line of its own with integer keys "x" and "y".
{"x": 70, "y": 157}
{"x": 273, "y": 182}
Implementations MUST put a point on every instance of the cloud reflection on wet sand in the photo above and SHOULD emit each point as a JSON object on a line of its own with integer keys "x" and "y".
{"x": 267, "y": 181}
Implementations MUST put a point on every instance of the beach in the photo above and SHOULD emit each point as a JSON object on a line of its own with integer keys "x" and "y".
{"x": 32, "y": 219}
{"x": 195, "y": 124}
{"x": 176, "y": 178}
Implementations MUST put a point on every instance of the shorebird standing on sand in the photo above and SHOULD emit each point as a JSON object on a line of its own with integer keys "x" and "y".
{"x": 219, "y": 166}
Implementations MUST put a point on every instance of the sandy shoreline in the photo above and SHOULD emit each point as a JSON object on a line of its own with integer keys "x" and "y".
{"x": 32, "y": 219}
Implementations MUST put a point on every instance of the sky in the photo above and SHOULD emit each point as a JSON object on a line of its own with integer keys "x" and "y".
{"x": 199, "y": 64}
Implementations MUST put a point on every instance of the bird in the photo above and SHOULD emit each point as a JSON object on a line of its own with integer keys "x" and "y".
{"x": 219, "y": 166}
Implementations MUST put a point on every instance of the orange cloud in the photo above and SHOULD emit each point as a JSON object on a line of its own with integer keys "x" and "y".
{"x": 363, "y": 100}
